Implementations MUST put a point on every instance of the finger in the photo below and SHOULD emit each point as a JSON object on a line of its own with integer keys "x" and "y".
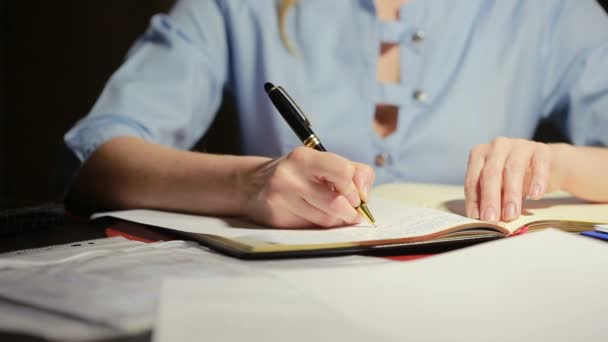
{"x": 297, "y": 213}
{"x": 364, "y": 179}
{"x": 490, "y": 182}
{"x": 304, "y": 210}
{"x": 331, "y": 203}
{"x": 328, "y": 167}
{"x": 540, "y": 168}
{"x": 514, "y": 174}
{"x": 526, "y": 187}
{"x": 477, "y": 158}
{"x": 302, "y": 195}
{"x": 285, "y": 205}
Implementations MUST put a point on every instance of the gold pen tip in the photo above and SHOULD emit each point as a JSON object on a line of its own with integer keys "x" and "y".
{"x": 364, "y": 211}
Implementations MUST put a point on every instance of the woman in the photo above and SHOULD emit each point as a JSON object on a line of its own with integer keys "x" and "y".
{"x": 398, "y": 90}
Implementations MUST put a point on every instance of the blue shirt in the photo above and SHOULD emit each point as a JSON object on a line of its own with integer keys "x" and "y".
{"x": 483, "y": 69}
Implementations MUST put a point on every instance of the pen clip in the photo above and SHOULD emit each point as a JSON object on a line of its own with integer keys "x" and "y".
{"x": 294, "y": 105}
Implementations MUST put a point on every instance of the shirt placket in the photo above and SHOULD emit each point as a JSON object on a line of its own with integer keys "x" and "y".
{"x": 406, "y": 94}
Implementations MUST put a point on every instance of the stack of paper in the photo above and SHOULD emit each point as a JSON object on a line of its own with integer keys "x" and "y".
{"x": 544, "y": 286}
{"x": 104, "y": 288}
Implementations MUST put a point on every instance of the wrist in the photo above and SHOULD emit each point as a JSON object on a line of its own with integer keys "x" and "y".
{"x": 248, "y": 179}
{"x": 562, "y": 166}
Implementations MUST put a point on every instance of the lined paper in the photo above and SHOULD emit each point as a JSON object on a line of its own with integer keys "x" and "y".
{"x": 394, "y": 220}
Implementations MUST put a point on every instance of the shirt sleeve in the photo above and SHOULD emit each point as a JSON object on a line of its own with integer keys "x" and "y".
{"x": 169, "y": 87}
{"x": 575, "y": 59}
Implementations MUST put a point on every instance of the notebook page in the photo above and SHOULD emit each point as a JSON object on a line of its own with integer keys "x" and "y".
{"x": 554, "y": 207}
{"x": 561, "y": 208}
{"x": 394, "y": 220}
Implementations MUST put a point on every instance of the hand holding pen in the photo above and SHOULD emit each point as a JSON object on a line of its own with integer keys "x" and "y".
{"x": 340, "y": 173}
{"x": 293, "y": 192}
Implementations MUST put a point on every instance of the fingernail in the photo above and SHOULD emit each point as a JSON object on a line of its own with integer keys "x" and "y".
{"x": 536, "y": 191}
{"x": 474, "y": 213}
{"x": 489, "y": 214}
{"x": 356, "y": 198}
{"x": 509, "y": 211}
{"x": 363, "y": 193}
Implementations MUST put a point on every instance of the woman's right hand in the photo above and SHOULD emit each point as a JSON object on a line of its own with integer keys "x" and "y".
{"x": 307, "y": 188}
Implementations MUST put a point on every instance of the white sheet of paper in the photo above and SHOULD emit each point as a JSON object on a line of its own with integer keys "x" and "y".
{"x": 602, "y": 228}
{"x": 544, "y": 286}
{"x": 395, "y": 220}
{"x": 254, "y": 309}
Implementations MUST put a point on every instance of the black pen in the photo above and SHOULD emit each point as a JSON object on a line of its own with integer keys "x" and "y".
{"x": 298, "y": 122}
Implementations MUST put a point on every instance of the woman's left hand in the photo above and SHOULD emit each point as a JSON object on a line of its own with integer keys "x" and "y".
{"x": 501, "y": 174}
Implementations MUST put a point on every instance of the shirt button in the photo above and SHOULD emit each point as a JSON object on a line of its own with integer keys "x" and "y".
{"x": 418, "y": 36}
{"x": 381, "y": 159}
{"x": 420, "y": 96}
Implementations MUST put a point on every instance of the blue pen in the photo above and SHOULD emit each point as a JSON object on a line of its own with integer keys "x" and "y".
{"x": 597, "y": 235}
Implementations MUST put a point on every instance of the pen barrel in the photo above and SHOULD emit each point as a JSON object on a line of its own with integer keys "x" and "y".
{"x": 292, "y": 114}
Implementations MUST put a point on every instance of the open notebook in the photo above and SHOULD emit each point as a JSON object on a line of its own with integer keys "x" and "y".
{"x": 408, "y": 215}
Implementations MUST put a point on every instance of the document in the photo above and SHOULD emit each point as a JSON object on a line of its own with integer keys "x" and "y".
{"x": 542, "y": 286}
{"x": 602, "y": 228}
{"x": 105, "y": 288}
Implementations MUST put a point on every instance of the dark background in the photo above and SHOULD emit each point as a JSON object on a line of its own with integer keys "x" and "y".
{"x": 55, "y": 57}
